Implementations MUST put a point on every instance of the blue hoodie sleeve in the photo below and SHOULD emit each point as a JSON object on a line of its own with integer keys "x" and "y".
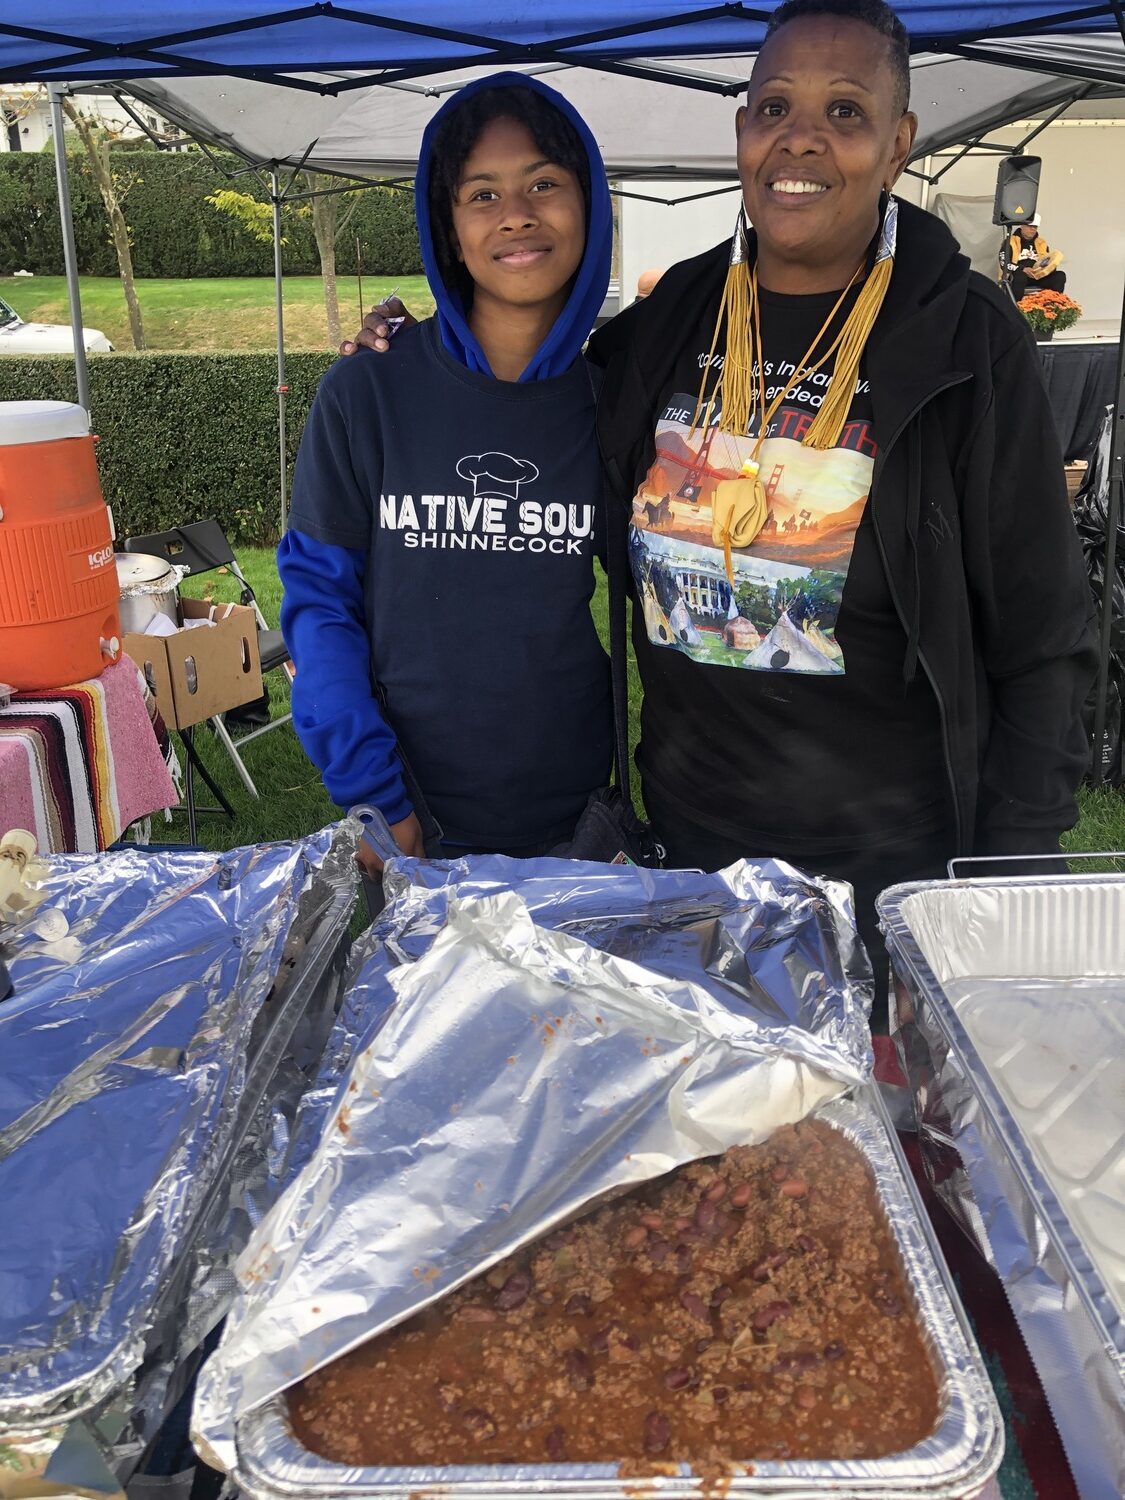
{"x": 335, "y": 711}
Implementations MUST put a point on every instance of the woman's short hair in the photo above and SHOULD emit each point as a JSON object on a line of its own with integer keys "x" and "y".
{"x": 873, "y": 13}
{"x": 459, "y": 132}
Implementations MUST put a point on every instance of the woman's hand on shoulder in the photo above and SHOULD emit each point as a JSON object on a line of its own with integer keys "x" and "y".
{"x": 380, "y": 326}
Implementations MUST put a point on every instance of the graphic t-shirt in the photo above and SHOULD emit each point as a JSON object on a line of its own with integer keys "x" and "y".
{"x": 478, "y": 504}
{"x": 1030, "y": 252}
{"x": 775, "y": 709}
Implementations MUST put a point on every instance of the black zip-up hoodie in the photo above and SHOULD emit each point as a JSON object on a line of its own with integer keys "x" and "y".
{"x": 969, "y": 507}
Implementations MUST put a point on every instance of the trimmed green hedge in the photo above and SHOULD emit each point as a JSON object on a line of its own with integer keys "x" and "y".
{"x": 183, "y": 436}
{"x": 174, "y": 231}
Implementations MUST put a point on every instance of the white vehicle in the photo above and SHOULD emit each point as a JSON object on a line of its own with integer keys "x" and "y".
{"x": 18, "y": 337}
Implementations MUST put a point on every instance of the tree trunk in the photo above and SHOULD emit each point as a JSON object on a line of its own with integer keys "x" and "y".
{"x": 98, "y": 157}
{"x": 324, "y": 214}
{"x": 331, "y": 302}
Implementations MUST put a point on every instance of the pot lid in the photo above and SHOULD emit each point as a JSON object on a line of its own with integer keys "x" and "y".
{"x": 135, "y": 568}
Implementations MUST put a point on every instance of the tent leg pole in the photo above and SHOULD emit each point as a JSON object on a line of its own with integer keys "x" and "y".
{"x": 1113, "y": 521}
{"x": 927, "y": 185}
{"x": 70, "y": 253}
{"x": 282, "y": 388}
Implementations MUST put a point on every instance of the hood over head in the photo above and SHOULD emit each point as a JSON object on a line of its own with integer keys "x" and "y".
{"x": 563, "y": 343}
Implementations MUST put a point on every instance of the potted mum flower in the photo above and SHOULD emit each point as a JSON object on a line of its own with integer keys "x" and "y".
{"x": 1046, "y": 311}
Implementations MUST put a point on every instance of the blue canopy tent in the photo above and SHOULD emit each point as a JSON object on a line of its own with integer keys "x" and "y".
{"x": 361, "y": 44}
{"x": 131, "y": 38}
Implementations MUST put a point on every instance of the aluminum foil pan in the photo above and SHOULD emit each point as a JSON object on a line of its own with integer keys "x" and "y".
{"x": 955, "y": 1461}
{"x": 518, "y": 1073}
{"x": 155, "y": 997}
{"x": 758, "y": 936}
{"x": 1010, "y": 1000}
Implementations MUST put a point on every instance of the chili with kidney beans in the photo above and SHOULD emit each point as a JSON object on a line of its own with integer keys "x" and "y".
{"x": 746, "y": 1307}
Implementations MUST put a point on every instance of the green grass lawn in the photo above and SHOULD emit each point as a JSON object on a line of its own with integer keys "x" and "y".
{"x": 293, "y": 802}
{"x": 208, "y": 314}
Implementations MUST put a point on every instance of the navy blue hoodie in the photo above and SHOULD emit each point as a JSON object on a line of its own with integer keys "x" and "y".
{"x": 442, "y": 531}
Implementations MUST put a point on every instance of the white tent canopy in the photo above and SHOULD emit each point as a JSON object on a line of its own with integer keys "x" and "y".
{"x": 643, "y": 127}
{"x": 350, "y": 126}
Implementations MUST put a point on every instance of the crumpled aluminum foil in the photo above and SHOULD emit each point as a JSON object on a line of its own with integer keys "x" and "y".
{"x": 150, "y": 1013}
{"x": 747, "y": 933}
{"x": 508, "y": 1072}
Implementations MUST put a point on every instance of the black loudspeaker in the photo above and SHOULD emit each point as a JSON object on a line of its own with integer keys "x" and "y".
{"x": 1017, "y": 187}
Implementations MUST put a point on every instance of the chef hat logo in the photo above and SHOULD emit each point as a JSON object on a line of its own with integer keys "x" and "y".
{"x": 496, "y": 475}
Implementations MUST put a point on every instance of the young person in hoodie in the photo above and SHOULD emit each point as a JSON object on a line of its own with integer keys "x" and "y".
{"x": 863, "y": 650}
{"x": 437, "y": 569}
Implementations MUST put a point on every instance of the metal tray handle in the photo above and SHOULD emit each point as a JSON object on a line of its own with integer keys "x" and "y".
{"x": 1017, "y": 859}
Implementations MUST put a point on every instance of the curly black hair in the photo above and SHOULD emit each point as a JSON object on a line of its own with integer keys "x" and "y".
{"x": 873, "y": 13}
{"x": 459, "y": 132}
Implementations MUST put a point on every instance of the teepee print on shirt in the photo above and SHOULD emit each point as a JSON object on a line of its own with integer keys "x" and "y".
{"x": 780, "y": 613}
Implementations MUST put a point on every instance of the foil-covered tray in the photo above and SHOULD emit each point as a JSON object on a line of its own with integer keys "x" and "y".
{"x": 163, "y": 1009}
{"x": 757, "y": 937}
{"x": 956, "y": 1461}
{"x": 495, "y": 1073}
{"x": 1010, "y": 1018}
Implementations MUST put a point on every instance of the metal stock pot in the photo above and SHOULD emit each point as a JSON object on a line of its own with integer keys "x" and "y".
{"x": 148, "y": 586}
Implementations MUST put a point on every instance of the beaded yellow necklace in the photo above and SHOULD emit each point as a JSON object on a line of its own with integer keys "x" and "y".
{"x": 741, "y": 509}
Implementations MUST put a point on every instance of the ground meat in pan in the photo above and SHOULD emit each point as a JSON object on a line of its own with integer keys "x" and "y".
{"x": 747, "y": 1307}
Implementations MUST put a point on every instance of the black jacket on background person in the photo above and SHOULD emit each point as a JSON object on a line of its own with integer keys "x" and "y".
{"x": 969, "y": 506}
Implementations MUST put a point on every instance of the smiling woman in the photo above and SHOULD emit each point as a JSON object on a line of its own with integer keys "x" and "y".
{"x": 506, "y": 208}
{"x": 843, "y": 483}
{"x": 824, "y": 132}
{"x": 519, "y": 229}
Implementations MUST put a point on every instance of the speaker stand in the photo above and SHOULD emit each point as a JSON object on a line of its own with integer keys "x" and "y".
{"x": 1005, "y": 276}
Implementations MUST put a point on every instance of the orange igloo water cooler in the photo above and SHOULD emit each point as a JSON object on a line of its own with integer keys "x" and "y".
{"x": 58, "y": 580}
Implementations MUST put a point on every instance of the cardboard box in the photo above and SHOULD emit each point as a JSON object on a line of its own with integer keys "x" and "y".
{"x": 1075, "y": 474}
{"x": 196, "y": 674}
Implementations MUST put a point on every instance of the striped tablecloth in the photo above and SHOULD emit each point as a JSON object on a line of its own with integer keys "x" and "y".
{"x": 79, "y": 764}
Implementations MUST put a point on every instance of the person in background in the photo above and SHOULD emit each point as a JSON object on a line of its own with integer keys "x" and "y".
{"x": 866, "y": 635}
{"x": 438, "y": 566}
{"x": 646, "y": 281}
{"x": 1032, "y": 265}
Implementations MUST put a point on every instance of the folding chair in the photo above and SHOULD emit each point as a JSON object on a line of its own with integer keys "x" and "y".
{"x": 201, "y": 548}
